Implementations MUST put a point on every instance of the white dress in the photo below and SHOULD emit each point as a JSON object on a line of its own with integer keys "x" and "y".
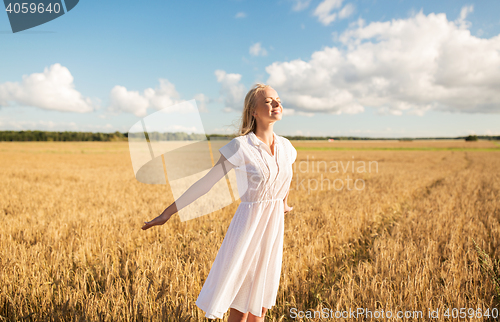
{"x": 246, "y": 272}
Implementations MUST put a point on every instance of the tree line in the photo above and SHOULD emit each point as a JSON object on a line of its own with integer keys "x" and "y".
{"x": 182, "y": 136}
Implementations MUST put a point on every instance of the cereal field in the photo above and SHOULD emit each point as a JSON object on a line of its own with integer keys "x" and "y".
{"x": 376, "y": 225}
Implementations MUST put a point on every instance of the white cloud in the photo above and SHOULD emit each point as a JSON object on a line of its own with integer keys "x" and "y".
{"x": 386, "y": 111}
{"x": 464, "y": 24}
{"x": 128, "y": 101}
{"x": 232, "y": 91}
{"x": 181, "y": 128}
{"x": 490, "y": 132}
{"x": 300, "y": 5}
{"x": 290, "y": 111}
{"x": 164, "y": 97}
{"x": 324, "y": 11}
{"x": 240, "y": 15}
{"x": 51, "y": 90}
{"x": 412, "y": 65}
{"x": 201, "y": 102}
{"x": 257, "y": 50}
{"x": 346, "y": 11}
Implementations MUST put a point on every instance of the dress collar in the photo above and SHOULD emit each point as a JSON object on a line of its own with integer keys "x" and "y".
{"x": 261, "y": 145}
{"x": 256, "y": 141}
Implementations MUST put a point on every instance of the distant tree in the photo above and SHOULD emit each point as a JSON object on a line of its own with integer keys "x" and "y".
{"x": 471, "y": 138}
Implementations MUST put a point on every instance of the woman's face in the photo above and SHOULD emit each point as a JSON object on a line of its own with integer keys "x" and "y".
{"x": 268, "y": 106}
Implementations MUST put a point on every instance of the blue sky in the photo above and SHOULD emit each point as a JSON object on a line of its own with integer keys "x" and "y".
{"x": 356, "y": 68}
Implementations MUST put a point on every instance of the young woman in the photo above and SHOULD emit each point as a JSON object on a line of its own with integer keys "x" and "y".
{"x": 246, "y": 272}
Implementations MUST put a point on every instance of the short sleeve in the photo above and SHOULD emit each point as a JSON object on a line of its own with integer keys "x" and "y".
{"x": 294, "y": 154}
{"x": 232, "y": 152}
{"x": 291, "y": 151}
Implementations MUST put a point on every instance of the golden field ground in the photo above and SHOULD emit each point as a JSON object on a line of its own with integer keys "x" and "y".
{"x": 72, "y": 248}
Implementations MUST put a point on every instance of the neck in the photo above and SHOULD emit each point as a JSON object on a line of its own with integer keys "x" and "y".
{"x": 265, "y": 133}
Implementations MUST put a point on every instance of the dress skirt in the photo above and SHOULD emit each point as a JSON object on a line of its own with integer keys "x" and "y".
{"x": 246, "y": 272}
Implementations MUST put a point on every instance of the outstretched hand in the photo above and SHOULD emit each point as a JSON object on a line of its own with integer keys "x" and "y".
{"x": 160, "y": 220}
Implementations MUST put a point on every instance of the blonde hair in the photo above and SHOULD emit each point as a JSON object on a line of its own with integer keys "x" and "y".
{"x": 247, "y": 121}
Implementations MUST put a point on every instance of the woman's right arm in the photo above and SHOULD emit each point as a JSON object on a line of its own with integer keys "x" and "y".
{"x": 198, "y": 189}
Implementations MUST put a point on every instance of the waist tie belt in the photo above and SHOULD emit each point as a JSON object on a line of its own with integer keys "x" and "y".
{"x": 262, "y": 200}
